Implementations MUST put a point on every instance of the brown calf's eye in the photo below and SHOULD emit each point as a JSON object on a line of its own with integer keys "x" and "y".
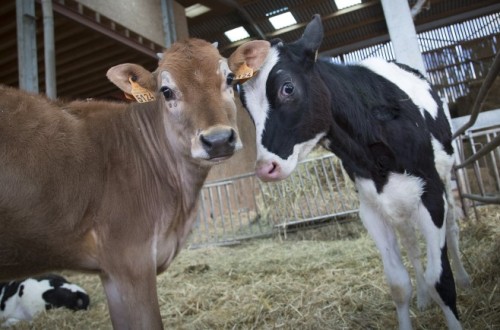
{"x": 230, "y": 79}
{"x": 167, "y": 92}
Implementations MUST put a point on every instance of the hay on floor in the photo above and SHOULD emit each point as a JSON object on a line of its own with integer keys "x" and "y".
{"x": 301, "y": 282}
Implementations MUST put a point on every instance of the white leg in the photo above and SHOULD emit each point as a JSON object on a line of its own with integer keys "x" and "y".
{"x": 395, "y": 272}
{"x": 438, "y": 275}
{"x": 452, "y": 238}
{"x": 410, "y": 242}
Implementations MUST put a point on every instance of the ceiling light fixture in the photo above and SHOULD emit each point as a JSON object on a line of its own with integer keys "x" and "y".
{"x": 196, "y": 10}
{"x": 236, "y": 34}
{"x": 282, "y": 20}
{"x": 341, "y": 4}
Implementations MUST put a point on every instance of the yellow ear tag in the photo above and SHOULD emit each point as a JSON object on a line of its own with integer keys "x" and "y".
{"x": 244, "y": 72}
{"x": 141, "y": 94}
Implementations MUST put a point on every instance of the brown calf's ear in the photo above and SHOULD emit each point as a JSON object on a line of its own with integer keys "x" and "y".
{"x": 248, "y": 58}
{"x": 128, "y": 75}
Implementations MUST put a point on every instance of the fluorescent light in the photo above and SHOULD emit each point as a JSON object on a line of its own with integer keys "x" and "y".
{"x": 282, "y": 20}
{"x": 237, "y": 34}
{"x": 341, "y": 4}
{"x": 196, "y": 10}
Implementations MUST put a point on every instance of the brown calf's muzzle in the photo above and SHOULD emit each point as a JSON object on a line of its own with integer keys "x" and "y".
{"x": 219, "y": 142}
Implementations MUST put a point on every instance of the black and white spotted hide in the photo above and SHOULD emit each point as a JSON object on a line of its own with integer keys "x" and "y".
{"x": 22, "y": 300}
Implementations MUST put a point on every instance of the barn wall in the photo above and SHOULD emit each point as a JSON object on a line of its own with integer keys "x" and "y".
{"x": 142, "y": 17}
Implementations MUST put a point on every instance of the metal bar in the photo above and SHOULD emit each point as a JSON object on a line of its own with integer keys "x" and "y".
{"x": 236, "y": 187}
{"x": 221, "y": 211}
{"x": 481, "y": 95}
{"x": 230, "y": 210}
{"x": 26, "y": 45}
{"x": 477, "y": 167}
{"x": 328, "y": 183}
{"x": 315, "y": 199}
{"x": 320, "y": 217}
{"x": 481, "y": 152}
{"x": 308, "y": 203}
{"x": 494, "y": 163}
{"x": 339, "y": 189}
{"x": 483, "y": 199}
{"x": 212, "y": 208}
{"x": 321, "y": 190}
{"x": 203, "y": 216}
{"x": 292, "y": 179}
{"x": 49, "y": 49}
{"x": 167, "y": 11}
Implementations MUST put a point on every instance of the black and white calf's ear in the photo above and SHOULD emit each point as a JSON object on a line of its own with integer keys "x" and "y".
{"x": 312, "y": 38}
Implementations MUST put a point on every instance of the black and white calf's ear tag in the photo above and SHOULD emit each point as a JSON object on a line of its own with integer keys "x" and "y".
{"x": 244, "y": 72}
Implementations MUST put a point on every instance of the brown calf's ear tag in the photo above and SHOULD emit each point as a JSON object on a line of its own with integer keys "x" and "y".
{"x": 141, "y": 94}
{"x": 244, "y": 72}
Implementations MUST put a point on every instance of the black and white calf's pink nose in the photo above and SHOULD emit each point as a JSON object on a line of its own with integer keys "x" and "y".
{"x": 269, "y": 171}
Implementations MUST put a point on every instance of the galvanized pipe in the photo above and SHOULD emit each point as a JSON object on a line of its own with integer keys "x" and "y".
{"x": 481, "y": 152}
{"x": 481, "y": 95}
{"x": 49, "y": 49}
{"x": 26, "y": 45}
{"x": 167, "y": 11}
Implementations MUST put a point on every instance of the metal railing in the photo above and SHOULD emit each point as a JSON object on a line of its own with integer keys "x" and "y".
{"x": 477, "y": 169}
{"x": 244, "y": 207}
{"x": 471, "y": 130}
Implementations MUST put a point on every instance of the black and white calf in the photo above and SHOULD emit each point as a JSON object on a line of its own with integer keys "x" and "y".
{"x": 387, "y": 125}
{"x": 22, "y": 300}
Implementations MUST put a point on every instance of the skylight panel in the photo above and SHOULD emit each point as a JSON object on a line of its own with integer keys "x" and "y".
{"x": 341, "y": 4}
{"x": 196, "y": 10}
{"x": 282, "y": 20}
{"x": 237, "y": 34}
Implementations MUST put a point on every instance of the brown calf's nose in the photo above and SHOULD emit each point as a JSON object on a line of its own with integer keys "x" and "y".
{"x": 219, "y": 143}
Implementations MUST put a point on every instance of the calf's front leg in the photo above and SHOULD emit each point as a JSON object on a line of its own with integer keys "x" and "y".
{"x": 132, "y": 297}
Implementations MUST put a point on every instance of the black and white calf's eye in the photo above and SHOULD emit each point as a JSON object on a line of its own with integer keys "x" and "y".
{"x": 167, "y": 92}
{"x": 230, "y": 79}
{"x": 287, "y": 89}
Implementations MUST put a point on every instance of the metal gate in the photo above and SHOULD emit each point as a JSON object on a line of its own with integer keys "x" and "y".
{"x": 244, "y": 207}
{"x": 478, "y": 165}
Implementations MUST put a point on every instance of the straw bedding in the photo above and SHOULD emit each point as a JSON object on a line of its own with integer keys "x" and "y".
{"x": 327, "y": 278}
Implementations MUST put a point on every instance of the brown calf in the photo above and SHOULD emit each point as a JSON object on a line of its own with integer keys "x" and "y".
{"x": 112, "y": 188}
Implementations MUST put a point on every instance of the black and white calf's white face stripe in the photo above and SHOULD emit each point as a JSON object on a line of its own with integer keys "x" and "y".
{"x": 22, "y": 300}
{"x": 277, "y": 99}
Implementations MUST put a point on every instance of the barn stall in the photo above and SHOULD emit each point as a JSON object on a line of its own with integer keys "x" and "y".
{"x": 324, "y": 278}
{"x": 295, "y": 255}
{"x": 328, "y": 277}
